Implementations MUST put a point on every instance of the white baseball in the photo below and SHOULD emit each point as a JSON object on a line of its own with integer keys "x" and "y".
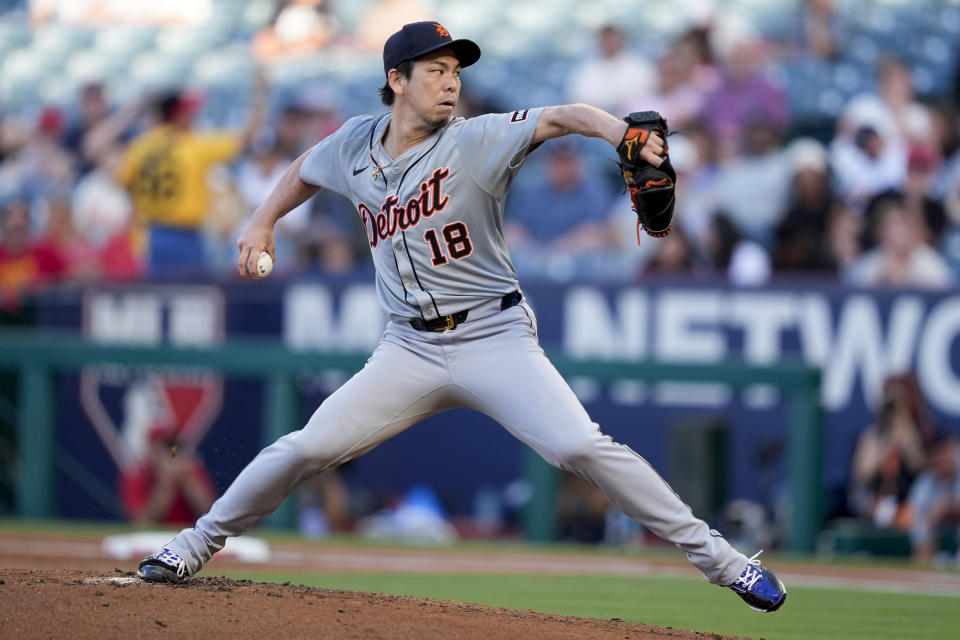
{"x": 264, "y": 265}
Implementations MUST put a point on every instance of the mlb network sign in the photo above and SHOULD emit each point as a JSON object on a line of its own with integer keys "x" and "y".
{"x": 851, "y": 337}
{"x": 856, "y": 338}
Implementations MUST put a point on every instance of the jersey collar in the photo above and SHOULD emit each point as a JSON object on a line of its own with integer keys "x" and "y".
{"x": 410, "y": 154}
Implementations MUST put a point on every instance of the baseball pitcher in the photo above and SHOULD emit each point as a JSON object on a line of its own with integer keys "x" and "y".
{"x": 429, "y": 189}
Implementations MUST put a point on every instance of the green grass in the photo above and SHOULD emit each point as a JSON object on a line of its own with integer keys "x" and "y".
{"x": 675, "y": 602}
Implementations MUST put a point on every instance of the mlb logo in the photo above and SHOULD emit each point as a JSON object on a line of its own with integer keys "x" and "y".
{"x": 131, "y": 407}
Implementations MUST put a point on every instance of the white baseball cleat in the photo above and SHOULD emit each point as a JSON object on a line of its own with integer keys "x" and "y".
{"x": 165, "y": 566}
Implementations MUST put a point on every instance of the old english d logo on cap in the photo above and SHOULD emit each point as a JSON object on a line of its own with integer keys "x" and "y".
{"x": 420, "y": 38}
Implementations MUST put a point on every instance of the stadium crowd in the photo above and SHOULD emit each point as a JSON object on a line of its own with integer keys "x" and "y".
{"x": 100, "y": 190}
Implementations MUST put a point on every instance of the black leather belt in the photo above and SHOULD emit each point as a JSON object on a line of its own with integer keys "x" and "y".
{"x": 445, "y": 323}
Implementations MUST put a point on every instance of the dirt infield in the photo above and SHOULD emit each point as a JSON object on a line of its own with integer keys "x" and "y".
{"x": 38, "y": 603}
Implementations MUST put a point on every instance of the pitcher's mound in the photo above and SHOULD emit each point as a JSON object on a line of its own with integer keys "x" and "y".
{"x": 85, "y": 604}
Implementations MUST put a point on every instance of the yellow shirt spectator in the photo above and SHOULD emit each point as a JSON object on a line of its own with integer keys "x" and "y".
{"x": 166, "y": 172}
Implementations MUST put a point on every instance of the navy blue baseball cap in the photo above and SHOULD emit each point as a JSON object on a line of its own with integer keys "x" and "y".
{"x": 419, "y": 38}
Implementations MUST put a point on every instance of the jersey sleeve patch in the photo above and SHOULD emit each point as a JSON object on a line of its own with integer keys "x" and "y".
{"x": 519, "y": 116}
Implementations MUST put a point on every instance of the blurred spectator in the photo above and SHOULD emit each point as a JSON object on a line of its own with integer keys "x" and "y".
{"x": 171, "y": 484}
{"x": 41, "y": 167}
{"x": 614, "y": 79}
{"x": 817, "y": 30}
{"x": 224, "y": 217}
{"x": 324, "y": 504}
{"x": 581, "y": 510}
{"x": 334, "y": 241}
{"x": 101, "y": 206}
{"x": 81, "y": 261}
{"x": 876, "y": 132}
{"x": 955, "y": 92}
{"x": 166, "y": 171}
{"x": 418, "y": 516}
{"x": 867, "y": 158}
{"x": 293, "y": 131}
{"x": 946, "y": 188}
{"x": 472, "y": 104}
{"x": 298, "y": 28}
{"x": 752, "y": 188}
{"x": 92, "y": 108}
{"x": 24, "y": 264}
{"x": 889, "y": 454}
{"x": 922, "y": 165}
{"x": 103, "y": 216}
{"x": 900, "y": 259}
{"x": 95, "y": 127}
{"x": 697, "y": 46}
{"x": 745, "y": 94}
{"x": 563, "y": 213}
{"x": 322, "y": 108}
{"x": 823, "y": 29}
{"x": 801, "y": 244}
{"x": 257, "y": 175}
{"x": 685, "y": 77}
{"x": 946, "y": 126}
{"x": 673, "y": 256}
{"x": 13, "y": 134}
{"x": 951, "y": 238}
{"x": 744, "y": 262}
{"x": 934, "y": 499}
{"x": 694, "y": 156}
{"x": 115, "y": 128}
{"x": 843, "y": 236}
{"x": 121, "y": 258}
{"x": 896, "y": 95}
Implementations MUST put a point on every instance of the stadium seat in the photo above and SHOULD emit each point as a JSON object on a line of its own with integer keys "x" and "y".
{"x": 91, "y": 64}
{"x": 60, "y": 39}
{"x": 14, "y": 34}
{"x": 21, "y": 69}
{"x": 179, "y": 41}
{"x": 231, "y": 65}
{"x": 470, "y": 19}
{"x": 527, "y": 52}
{"x": 948, "y": 20}
{"x": 256, "y": 14}
{"x": 124, "y": 41}
{"x": 155, "y": 71}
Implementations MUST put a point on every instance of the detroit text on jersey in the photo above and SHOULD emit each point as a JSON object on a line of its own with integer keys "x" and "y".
{"x": 385, "y": 223}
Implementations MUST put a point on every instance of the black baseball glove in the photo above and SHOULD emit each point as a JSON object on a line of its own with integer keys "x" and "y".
{"x": 650, "y": 187}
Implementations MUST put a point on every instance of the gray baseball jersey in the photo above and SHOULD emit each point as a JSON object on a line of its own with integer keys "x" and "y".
{"x": 433, "y": 216}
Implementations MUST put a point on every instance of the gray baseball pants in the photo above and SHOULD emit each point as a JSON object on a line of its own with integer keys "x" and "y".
{"x": 492, "y": 363}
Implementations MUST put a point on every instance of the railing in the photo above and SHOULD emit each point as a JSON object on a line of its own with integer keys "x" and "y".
{"x": 37, "y": 357}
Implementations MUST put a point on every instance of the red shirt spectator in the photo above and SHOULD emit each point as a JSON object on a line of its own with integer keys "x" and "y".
{"x": 24, "y": 264}
{"x": 169, "y": 486}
